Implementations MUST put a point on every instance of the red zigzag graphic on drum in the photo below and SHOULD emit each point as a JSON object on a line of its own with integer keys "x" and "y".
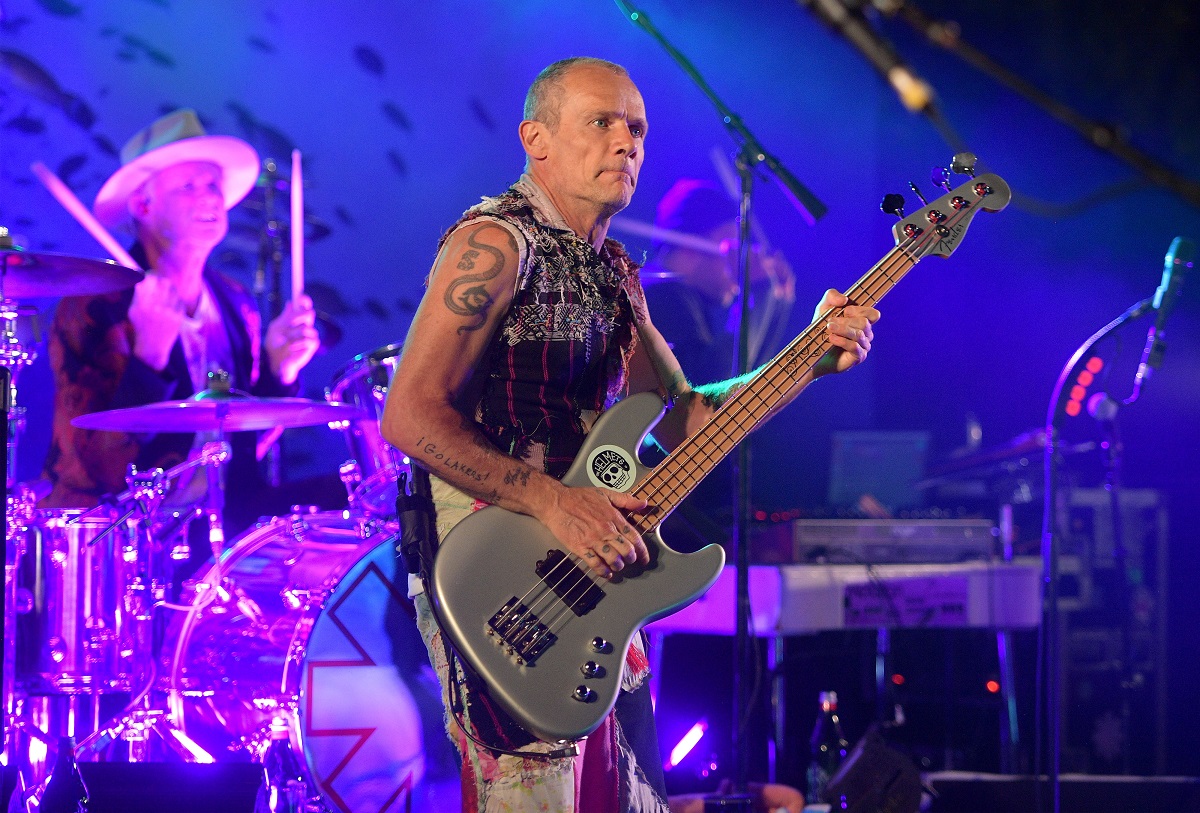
{"x": 364, "y": 733}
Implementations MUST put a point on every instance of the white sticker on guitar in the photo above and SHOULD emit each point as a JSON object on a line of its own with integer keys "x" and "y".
{"x": 612, "y": 467}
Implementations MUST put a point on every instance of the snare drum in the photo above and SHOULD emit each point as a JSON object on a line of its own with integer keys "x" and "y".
{"x": 364, "y": 382}
{"x": 299, "y": 619}
{"x": 74, "y": 631}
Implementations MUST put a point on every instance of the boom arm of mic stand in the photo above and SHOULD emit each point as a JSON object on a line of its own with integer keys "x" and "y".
{"x": 809, "y": 206}
{"x": 1102, "y": 136}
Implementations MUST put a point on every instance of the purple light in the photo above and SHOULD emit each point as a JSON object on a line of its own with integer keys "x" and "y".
{"x": 685, "y": 745}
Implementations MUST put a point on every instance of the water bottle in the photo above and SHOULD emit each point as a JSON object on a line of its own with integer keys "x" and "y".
{"x": 65, "y": 792}
{"x": 284, "y": 789}
{"x": 827, "y": 747}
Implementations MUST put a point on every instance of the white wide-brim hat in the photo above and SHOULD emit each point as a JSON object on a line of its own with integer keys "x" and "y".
{"x": 173, "y": 139}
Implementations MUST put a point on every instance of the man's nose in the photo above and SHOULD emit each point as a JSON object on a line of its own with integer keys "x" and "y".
{"x": 625, "y": 144}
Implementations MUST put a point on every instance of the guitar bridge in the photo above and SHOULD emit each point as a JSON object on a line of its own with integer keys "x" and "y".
{"x": 569, "y": 583}
{"x": 524, "y": 633}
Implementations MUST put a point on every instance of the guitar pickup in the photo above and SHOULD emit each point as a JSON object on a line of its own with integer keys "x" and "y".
{"x": 569, "y": 582}
{"x": 521, "y": 630}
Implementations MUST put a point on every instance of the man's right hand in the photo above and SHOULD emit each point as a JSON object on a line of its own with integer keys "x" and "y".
{"x": 590, "y": 522}
{"x": 156, "y": 314}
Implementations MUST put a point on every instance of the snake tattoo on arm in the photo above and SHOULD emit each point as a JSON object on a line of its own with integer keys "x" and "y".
{"x": 468, "y": 295}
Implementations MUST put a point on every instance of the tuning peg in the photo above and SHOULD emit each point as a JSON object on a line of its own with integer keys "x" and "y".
{"x": 940, "y": 176}
{"x": 893, "y": 204}
{"x": 964, "y": 163}
{"x": 917, "y": 192}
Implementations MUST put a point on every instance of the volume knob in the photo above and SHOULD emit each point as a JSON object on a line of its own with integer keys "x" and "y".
{"x": 583, "y": 694}
{"x": 591, "y": 669}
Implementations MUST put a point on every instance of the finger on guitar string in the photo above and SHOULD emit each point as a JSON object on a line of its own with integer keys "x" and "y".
{"x": 588, "y": 520}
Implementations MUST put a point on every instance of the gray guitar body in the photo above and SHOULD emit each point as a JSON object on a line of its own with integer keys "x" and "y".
{"x": 554, "y": 662}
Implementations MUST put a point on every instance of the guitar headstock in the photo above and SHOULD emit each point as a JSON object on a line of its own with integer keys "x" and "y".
{"x": 939, "y": 226}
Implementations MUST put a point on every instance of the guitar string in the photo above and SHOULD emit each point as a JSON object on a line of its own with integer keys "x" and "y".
{"x": 556, "y": 624}
{"x": 526, "y": 601}
{"x": 540, "y": 607}
{"x": 534, "y": 605}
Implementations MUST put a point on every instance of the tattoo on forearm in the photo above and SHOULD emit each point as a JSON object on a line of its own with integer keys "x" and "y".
{"x": 431, "y": 454}
{"x": 468, "y": 295}
{"x": 516, "y": 477}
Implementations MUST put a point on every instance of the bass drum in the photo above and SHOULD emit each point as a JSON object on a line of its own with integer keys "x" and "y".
{"x": 300, "y": 619}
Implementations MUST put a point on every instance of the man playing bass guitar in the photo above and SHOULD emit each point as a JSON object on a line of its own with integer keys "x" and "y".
{"x": 534, "y": 323}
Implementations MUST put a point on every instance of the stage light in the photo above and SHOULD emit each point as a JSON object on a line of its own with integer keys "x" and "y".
{"x": 993, "y": 686}
{"x": 898, "y": 679}
{"x": 685, "y": 745}
{"x": 1085, "y": 379}
{"x": 192, "y": 747}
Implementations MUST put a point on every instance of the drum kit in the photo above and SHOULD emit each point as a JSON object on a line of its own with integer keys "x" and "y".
{"x": 291, "y": 623}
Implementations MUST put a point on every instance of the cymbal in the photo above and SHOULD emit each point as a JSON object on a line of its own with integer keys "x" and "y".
{"x": 208, "y": 413}
{"x": 30, "y": 274}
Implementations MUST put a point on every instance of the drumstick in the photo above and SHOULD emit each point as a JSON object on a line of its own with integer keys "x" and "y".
{"x": 676, "y": 238}
{"x": 72, "y": 204}
{"x": 297, "y": 228}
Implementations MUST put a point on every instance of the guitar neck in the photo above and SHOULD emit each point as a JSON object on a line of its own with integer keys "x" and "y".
{"x": 674, "y": 478}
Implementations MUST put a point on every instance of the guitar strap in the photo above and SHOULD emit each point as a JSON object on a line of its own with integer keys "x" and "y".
{"x": 418, "y": 546}
{"x": 418, "y": 522}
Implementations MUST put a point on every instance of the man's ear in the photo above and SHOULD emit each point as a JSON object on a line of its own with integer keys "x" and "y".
{"x": 534, "y": 138}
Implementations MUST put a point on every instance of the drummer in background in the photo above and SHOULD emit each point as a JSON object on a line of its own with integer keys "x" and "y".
{"x": 692, "y": 290}
{"x": 160, "y": 340}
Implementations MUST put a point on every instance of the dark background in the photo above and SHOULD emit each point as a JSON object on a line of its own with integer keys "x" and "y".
{"x": 406, "y": 114}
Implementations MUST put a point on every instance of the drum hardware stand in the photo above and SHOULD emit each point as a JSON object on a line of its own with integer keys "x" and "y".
{"x": 18, "y": 501}
{"x": 141, "y": 717}
{"x": 350, "y": 473}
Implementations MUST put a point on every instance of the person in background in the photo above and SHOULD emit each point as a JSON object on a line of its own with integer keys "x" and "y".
{"x": 693, "y": 290}
{"x": 160, "y": 340}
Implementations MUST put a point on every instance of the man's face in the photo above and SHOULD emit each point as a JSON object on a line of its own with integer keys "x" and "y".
{"x": 595, "y": 152}
{"x": 184, "y": 203}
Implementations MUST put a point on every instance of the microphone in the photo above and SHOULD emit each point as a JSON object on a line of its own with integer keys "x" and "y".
{"x": 1180, "y": 257}
{"x": 851, "y": 23}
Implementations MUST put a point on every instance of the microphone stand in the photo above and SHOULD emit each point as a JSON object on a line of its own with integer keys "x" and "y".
{"x": 1049, "y": 653}
{"x": 268, "y": 284}
{"x": 750, "y": 155}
